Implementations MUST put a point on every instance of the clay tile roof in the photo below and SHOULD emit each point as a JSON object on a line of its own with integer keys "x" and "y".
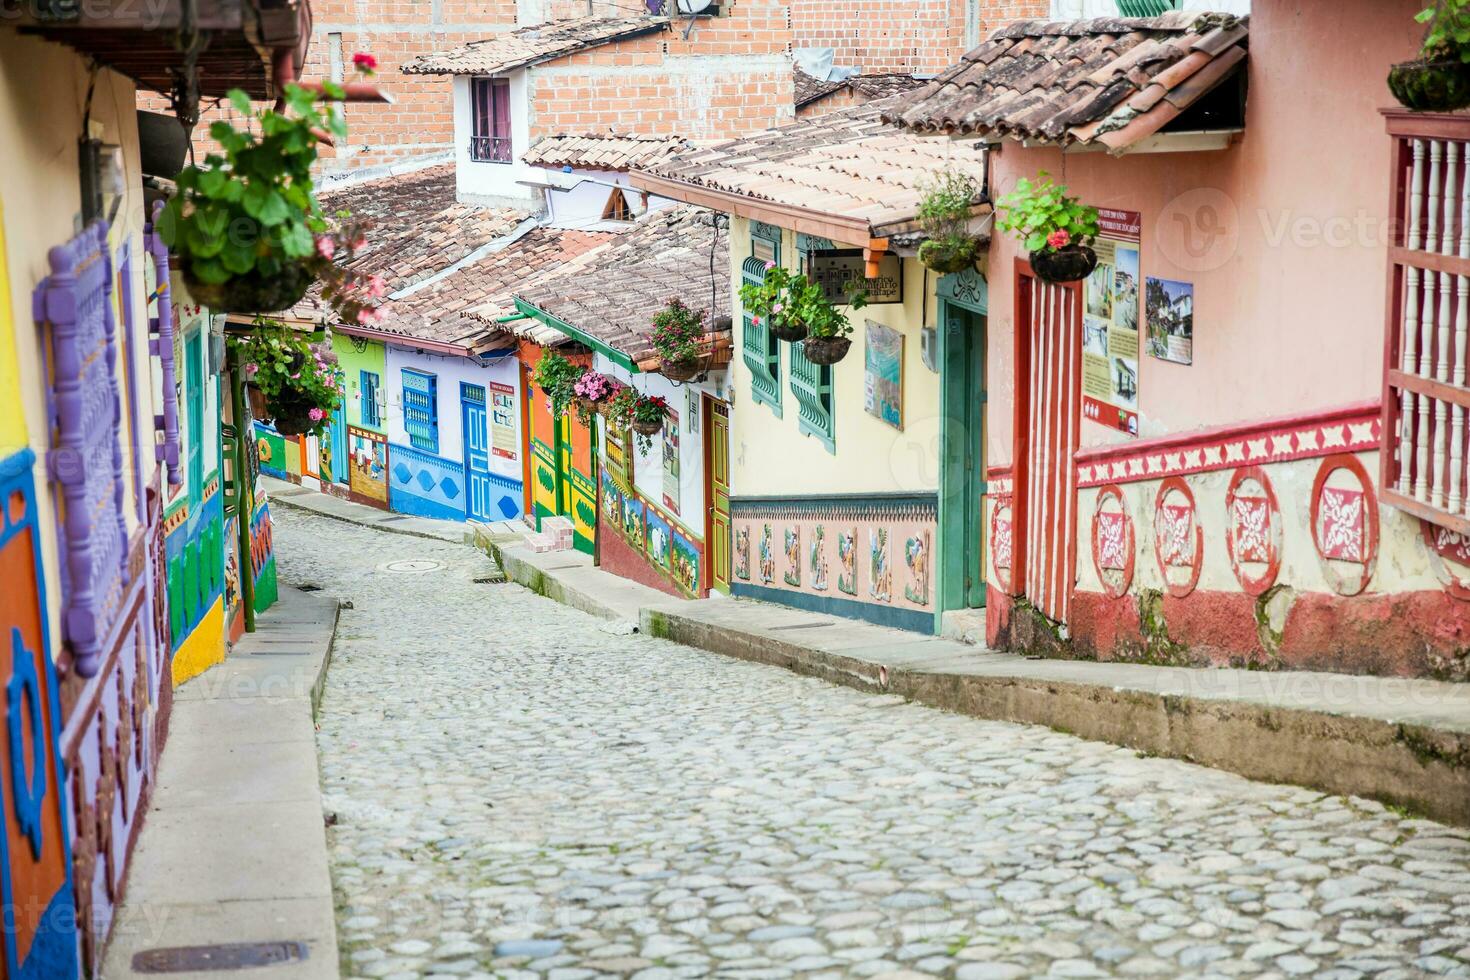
{"x": 459, "y": 307}
{"x": 1109, "y": 81}
{"x": 810, "y": 88}
{"x": 532, "y": 45}
{"x": 415, "y": 230}
{"x": 613, "y": 293}
{"x": 603, "y": 151}
{"x": 847, "y": 164}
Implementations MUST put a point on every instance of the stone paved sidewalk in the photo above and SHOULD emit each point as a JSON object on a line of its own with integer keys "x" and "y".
{"x": 520, "y": 793}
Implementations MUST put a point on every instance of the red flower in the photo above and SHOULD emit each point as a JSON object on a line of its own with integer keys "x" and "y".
{"x": 1059, "y": 238}
{"x": 364, "y": 62}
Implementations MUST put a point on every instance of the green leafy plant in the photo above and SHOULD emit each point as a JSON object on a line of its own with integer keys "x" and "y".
{"x": 619, "y": 410}
{"x": 792, "y": 298}
{"x": 557, "y": 378}
{"x": 1448, "y": 33}
{"x": 301, "y": 385}
{"x": 677, "y": 332}
{"x": 249, "y": 219}
{"x": 944, "y": 214}
{"x": 1044, "y": 217}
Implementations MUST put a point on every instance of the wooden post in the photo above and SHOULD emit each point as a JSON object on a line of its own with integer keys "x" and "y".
{"x": 244, "y": 489}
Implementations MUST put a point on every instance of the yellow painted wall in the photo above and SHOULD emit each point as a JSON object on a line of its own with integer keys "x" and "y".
{"x": 43, "y": 90}
{"x": 205, "y": 646}
{"x": 770, "y": 456}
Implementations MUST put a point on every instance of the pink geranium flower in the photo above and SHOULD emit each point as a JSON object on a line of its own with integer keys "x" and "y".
{"x": 376, "y": 286}
{"x": 325, "y": 247}
{"x": 252, "y": 369}
{"x": 1059, "y": 238}
{"x": 316, "y": 415}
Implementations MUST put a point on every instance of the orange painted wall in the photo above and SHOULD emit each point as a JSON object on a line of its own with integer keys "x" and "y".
{"x": 1289, "y": 297}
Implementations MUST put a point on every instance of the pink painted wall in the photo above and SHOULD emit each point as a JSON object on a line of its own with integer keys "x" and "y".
{"x": 1289, "y": 300}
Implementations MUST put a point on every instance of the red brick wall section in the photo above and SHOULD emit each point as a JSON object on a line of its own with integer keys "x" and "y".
{"x": 623, "y": 560}
{"x": 918, "y": 36}
{"x": 732, "y": 76}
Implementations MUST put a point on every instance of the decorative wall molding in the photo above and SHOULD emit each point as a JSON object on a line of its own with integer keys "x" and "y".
{"x": 1349, "y": 429}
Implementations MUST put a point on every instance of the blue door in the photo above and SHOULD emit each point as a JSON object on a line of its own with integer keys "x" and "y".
{"x": 339, "y": 443}
{"x": 476, "y": 451}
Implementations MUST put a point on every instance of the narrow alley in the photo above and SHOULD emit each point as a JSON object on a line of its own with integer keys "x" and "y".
{"x": 513, "y": 791}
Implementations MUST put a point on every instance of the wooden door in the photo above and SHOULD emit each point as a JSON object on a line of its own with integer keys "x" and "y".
{"x": 1048, "y": 420}
{"x": 962, "y": 476}
{"x": 717, "y": 493}
{"x": 475, "y": 435}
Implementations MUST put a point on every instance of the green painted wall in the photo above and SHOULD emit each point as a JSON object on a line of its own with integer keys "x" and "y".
{"x": 372, "y": 357}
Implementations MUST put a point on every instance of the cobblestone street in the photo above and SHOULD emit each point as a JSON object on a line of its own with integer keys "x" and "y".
{"x": 518, "y": 792}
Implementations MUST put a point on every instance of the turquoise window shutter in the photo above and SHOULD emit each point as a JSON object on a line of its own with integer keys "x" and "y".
{"x": 812, "y": 386}
{"x": 1146, "y": 8}
{"x": 421, "y": 410}
{"x": 758, "y": 347}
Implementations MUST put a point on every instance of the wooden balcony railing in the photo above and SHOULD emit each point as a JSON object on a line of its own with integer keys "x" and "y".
{"x": 1426, "y": 445}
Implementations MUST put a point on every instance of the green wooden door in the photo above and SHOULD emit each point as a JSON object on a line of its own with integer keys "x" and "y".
{"x": 962, "y": 477}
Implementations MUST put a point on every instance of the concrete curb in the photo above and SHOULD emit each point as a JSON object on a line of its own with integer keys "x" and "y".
{"x": 234, "y": 849}
{"x": 323, "y": 504}
{"x": 1422, "y": 768}
{"x": 622, "y": 610}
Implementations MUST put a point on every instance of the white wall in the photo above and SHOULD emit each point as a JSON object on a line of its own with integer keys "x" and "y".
{"x": 490, "y": 183}
{"x": 648, "y": 471}
{"x": 580, "y": 206}
{"x": 450, "y": 371}
{"x": 1080, "y": 9}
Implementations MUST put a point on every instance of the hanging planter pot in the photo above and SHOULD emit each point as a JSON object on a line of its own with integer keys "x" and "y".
{"x": 293, "y": 418}
{"x": 685, "y": 370}
{"x": 252, "y": 292}
{"x": 947, "y": 255}
{"x": 647, "y": 427}
{"x": 1066, "y": 264}
{"x": 1431, "y": 85}
{"x": 788, "y": 330}
{"x": 825, "y": 350}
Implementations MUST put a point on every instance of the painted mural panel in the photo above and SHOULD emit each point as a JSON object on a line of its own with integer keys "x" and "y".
{"x": 368, "y": 466}
{"x": 35, "y": 850}
{"x": 879, "y": 549}
{"x": 667, "y": 547}
{"x": 425, "y": 485}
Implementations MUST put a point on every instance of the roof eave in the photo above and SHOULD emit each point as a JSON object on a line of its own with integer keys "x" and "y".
{"x": 534, "y": 60}
{"x": 837, "y": 227}
{"x": 404, "y": 340}
{"x": 621, "y": 358}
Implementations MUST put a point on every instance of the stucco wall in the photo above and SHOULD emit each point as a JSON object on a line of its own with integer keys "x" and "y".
{"x": 1285, "y": 246}
{"x": 372, "y": 358}
{"x": 771, "y": 457}
{"x": 39, "y": 207}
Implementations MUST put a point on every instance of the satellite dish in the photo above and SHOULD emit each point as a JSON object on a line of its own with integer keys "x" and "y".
{"x": 694, "y": 6}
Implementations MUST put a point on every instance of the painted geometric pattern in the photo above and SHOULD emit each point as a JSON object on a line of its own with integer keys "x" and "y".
{"x": 427, "y": 475}
{"x": 1249, "y": 448}
{"x": 1112, "y": 541}
{"x": 1344, "y": 524}
{"x": 1177, "y": 531}
{"x": 1251, "y": 522}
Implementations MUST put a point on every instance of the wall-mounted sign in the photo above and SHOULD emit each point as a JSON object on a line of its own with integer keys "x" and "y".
{"x": 1170, "y": 312}
{"x": 1110, "y": 324}
{"x": 833, "y": 270}
{"x": 883, "y": 374}
{"x": 503, "y": 440}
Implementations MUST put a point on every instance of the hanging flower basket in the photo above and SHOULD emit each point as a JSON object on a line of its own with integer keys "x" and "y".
{"x": 682, "y": 370}
{"x": 826, "y": 350}
{"x": 648, "y": 427}
{"x": 946, "y": 255}
{"x": 293, "y": 417}
{"x": 788, "y": 330}
{"x": 1066, "y": 264}
{"x": 1425, "y": 85}
{"x": 253, "y": 292}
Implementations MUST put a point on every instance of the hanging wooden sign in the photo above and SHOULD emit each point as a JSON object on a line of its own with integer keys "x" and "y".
{"x": 834, "y": 269}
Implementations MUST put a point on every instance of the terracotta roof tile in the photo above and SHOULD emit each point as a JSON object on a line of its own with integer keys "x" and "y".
{"x": 810, "y": 89}
{"x": 603, "y": 151}
{"x": 612, "y": 293}
{"x": 847, "y": 163}
{"x": 460, "y": 307}
{"x": 532, "y": 45}
{"x": 1110, "y": 80}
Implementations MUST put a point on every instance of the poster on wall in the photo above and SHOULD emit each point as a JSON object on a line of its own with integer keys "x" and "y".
{"x": 883, "y": 374}
{"x": 1110, "y": 324}
{"x": 503, "y": 440}
{"x": 1169, "y": 306}
{"x": 671, "y": 461}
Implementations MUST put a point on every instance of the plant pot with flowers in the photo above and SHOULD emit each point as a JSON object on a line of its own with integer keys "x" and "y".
{"x": 649, "y": 413}
{"x": 769, "y": 302}
{"x": 1056, "y": 228}
{"x": 294, "y": 385}
{"x": 557, "y": 378}
{"x": 678, "y": 334}
{"x": 1439, "y": 79}
{"x": 246, "y": 227}
{"x": 944, "y": 214}
{"x": 829, "y": 333}
{"x": 592, "y": 390}
{"x": 618, "y": 409}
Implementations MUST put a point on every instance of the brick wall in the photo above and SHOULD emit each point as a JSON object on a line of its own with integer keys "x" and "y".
{"x": 919, "y": 36}
{"x": 732, "y": 76}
